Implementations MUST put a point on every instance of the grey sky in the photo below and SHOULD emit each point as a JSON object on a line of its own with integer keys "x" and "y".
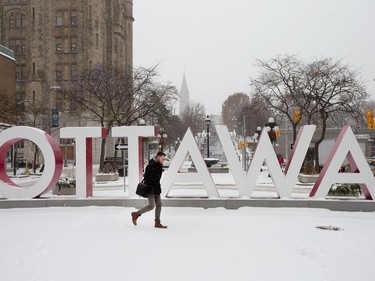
{"x": 216, "y": 42}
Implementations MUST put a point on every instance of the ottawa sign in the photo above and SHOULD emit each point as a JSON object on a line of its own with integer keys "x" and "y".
{"x": 346, "y": 147}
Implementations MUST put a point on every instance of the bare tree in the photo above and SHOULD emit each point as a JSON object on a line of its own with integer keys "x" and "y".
{"x": 10, "y": 109}
{"x": 111, "y": 97}
{"x": 320, "y": 91}
{"x": 35, "y": 115}
{"x": 280, "y": 85}
{"x": 193, "y": 117}
{"x": 334, "y": 88}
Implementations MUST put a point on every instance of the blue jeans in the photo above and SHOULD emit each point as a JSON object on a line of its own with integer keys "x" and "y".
{"x": 153, "y": 200}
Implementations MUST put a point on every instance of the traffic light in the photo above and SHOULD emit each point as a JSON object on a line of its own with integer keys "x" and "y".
{"x": 296, "y": 116}
{"x": 278, "y": 133}
{"x": 370, "y": 119}
{"x": 240, "y": 145}
{"x": 246, "y": 143}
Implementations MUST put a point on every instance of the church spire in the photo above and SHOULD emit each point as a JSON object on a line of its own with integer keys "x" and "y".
{"x": 184, "y": 95}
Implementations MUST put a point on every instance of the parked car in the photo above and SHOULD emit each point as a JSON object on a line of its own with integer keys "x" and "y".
{"x": 371, "y": 163}
{"x": 112, "y": 163}
{"x": 21, "y": 163}
{"x": 167, "y": 162}
{"x": 117, "y": 160}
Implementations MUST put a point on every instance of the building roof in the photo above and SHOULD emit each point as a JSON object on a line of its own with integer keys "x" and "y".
{"x": 4, "y": 51}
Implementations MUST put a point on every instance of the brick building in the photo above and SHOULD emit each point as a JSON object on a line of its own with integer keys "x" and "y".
{"x": 54, "y": 40}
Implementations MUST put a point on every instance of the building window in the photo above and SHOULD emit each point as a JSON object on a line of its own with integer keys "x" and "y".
{"x": 58, "y": 71}
{"x": 73, "y": 71}
{"x": 58, "y": 45}
{"x": 23, "y": 46}
{"x": 11, "y": 21}
{"x": 73, "y": 17}
{"x": 18, "y": 20}
{"x": 21, "y": 72}
{"x": 18, "y": 46}
{"x": 23, "y": 21}
{"x": 73, "y": 44}
{"x": 59, "y": 18}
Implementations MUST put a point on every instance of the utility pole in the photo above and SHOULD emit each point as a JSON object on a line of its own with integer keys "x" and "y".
{"x": 244, "y": 142}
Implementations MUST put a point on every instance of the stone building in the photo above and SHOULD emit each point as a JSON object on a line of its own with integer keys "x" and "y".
{"x": 53, "y": 40}
{"x": 7, "y": 73}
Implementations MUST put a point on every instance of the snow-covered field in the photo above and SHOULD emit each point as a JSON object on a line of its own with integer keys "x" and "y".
{"x": 101, "y": 243}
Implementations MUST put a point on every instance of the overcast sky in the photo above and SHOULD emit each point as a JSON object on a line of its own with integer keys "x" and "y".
{"x": 216, "y": 42}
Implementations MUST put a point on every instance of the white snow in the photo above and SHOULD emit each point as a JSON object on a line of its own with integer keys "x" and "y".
{"x": 101, "y": 243}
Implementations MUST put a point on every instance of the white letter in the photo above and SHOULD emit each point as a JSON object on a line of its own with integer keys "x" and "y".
{"x": 346, "y": 146}
{"x": 52, "y": 162}
{"x": 188, "y": 145}
{"x": 265, "y": 152}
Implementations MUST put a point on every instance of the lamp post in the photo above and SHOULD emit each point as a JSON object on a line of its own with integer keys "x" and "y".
{"x": 162, "y": 136}
{"x": 207, "y": 122}
{"x": 65, "y": 153}
{"x": 177, "y": 142}
{"x": 257, "y": 133}
{"x": 272, "y": 129}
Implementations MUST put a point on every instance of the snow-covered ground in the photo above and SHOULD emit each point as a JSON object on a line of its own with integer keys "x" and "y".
{"x": 101, "y": 243}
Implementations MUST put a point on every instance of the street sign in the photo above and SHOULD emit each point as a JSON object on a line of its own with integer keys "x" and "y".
{"x": 121, "y": 146}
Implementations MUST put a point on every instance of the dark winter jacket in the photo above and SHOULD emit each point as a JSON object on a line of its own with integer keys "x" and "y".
{"x": 152, "y": 176}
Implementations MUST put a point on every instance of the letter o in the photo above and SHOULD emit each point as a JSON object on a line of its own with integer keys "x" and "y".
{"x": 52, "y": 160}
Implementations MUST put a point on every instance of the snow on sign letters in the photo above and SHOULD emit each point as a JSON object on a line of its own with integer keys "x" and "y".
{"x": 346, "y": 147}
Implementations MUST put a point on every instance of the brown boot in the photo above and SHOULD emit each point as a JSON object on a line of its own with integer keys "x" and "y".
{"x": 159, "y": 225}
{"x": 135, "y": 216}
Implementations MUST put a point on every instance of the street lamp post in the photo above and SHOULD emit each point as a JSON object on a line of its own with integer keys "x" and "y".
{"x": 272, "y": 129}
{"x": 65, "y": 153}
{"x": 163, "y": 136}
{"x": 207, "y": 122}
{"x": 177, "y": 142}
{"x": 257, "y": 133}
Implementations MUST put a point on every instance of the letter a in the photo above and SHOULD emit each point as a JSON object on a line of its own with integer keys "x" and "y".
{"x": 345, "y": 146}
{"x": 188, "y": 145}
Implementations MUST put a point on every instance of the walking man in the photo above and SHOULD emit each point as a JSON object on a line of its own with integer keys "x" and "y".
{"x": 152, "y": 178}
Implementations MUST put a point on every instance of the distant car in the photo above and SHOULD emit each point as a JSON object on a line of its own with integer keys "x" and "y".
{"x": 167, "y": 162}
{"x": 211, "y": 161}
{"x": 21, "y": 163}
{"x": 117, "y": 160}
{"x": 111, "y": 163}
{"x": 371, "y": 163}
